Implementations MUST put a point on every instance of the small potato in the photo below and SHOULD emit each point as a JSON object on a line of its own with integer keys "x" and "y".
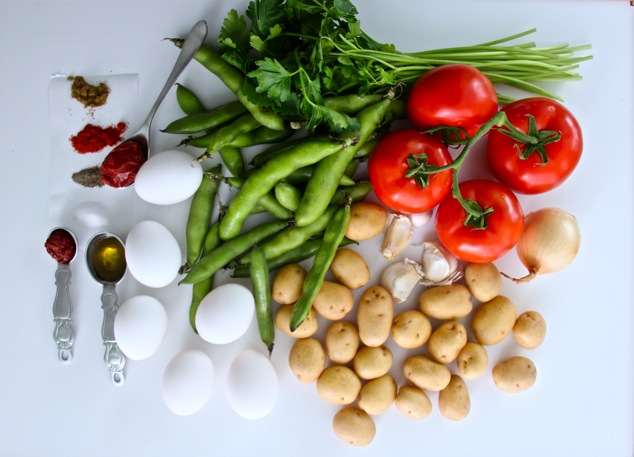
{"x": 307, "y": 359}
{"x": 472, "y": 361}
{"x": 350, "y": 268}
{"x": 333, "y": 301}
{"x": 446, "y": 302}
{"x": 306, "y": 329}
{"x": 377, "y": 395}
{"x": 515, "y": 374}
{"x": 288, "y": 284}
{"x": 529, "y": 330}
{"x": 367, "y": 220}
{"x": 342, "y": 341}
{"x": 454, "y": 402}
{"x": 483, "y": 280}
{"x": 413, "y": 402}
{"x": 494, "y": 320}
{"x": 354, "y": 426}
{"x": 374, "y": 316}
{"x": 339, "y": 385}
{"x": 425, "y": 373}
{"x": 410, "y": 329}
{"x": 446, "y": 342}
{"x": 372, "y": 362}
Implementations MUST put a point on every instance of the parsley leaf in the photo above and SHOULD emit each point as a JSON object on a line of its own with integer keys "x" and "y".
{"x": 233, "y": 41}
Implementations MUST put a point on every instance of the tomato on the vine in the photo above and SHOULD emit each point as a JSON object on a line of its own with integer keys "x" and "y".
{"x": 392, "y": 170}
{"x": 453, "y": 95}
{"x": 540, "y": 168}
{"x": 480, "y": 241}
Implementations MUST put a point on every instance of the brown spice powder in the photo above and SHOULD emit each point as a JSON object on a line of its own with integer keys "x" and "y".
{"x": 87, "y": 94}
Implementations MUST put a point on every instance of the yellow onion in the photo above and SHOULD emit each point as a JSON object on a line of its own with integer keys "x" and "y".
{"x": 549, "y": 243}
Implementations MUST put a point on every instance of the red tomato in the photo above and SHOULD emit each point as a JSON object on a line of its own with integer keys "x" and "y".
{"x": 388, "y": 165}
{"x": 454, "y": 95}
{"x": 504, "y": 225}
{"x": 531, "y": 175}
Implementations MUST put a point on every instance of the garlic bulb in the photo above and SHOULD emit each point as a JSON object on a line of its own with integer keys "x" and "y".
{"x": 398, "y": 233}
{"x": 439, "y": 267}
{"x": 400, "y": 278}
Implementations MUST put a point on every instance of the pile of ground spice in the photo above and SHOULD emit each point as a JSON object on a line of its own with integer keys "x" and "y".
{"x": 88, "y": 177}
{"x": 88, "y": 95}
{"x": 93, "y": 138}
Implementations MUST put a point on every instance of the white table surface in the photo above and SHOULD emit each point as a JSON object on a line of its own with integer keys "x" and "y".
{"x": 582, "y": 403}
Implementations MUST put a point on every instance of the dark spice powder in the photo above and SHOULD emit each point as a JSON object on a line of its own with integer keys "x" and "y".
{"x": 88, "y": 177}
{"x": 88, "y": 95}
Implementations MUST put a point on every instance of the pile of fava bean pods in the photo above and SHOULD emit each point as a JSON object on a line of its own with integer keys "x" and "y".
{"x": 304, "y": 185}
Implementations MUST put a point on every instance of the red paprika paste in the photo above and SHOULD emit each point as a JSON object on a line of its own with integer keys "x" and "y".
{"x": 93, "y": 138}
{"x": 61, "y": 245}
{"x": 121, "y": 165}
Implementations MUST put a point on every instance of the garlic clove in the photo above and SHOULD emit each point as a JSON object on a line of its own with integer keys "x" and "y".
{"x": 398, "y": 233}
{"x": 439, "y": 267}
{"x": 400, "y": 279}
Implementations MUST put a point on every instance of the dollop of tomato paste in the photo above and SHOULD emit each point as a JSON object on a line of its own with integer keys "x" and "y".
{"x": 61, "y": 246}
{"x": 121, "y": 165}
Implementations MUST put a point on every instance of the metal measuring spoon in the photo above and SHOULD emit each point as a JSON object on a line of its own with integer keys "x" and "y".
{"x": 105, "y": 257}
{"x": 141, "y": 139}
{"x": 62, "y": 306}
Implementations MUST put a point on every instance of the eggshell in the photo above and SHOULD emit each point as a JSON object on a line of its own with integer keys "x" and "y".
{"x": 152, "y": 254}
{"x": 252, "y": 385}
{"x": 140, "y": 326}
{"x": 225, "y": 314}
{"x": 187, "y": 382}
{"x": 168, "y": 177}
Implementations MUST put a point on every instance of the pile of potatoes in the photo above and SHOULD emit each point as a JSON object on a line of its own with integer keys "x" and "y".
{"x": 351, "y": 365}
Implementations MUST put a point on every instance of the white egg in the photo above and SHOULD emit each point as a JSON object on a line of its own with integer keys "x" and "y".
{"x": 140, "y": 326}
{"x": 168, "y": 177}
{"x": 252, "y": 385}
{"x": 225, "y": 314}
{"x": 187, "y": 382}
{"x": 152, "y": 254}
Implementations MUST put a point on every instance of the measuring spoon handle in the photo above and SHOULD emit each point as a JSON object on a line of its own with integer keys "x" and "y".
{"x": 62, "y": 314}
{"x": 114, "y": 358}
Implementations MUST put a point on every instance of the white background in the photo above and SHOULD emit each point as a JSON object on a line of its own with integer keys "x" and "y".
{"x": 582, "y": 403}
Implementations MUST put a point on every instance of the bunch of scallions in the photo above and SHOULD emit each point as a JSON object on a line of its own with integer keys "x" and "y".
{"x": 295, "y": 53}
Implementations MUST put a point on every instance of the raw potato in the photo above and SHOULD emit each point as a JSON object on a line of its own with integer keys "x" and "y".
{"x": 333, "y": 301}
{"x": 372, "y": 362}
{"x": 446, "y": 342}
{"x": 339, "y": 385}
{"x": 529, "y": 330}
{"x": 288, "y": 284}
{"x": 354, "y": 426}
{"x": 411, "y": 329}
{"x": 367, "y": 220}
{"x": 306, "y": 329}
{"x": 426, "y": 373}
{"x": 446, "y": 302}
{"x": 494, "y": 320}
{"x": 374, "y": 316}
{"x": 483, "y": 280}
{"x": 342, "y": 341}
{"x": 454, "y": 402}
{"x": 307, "y": 359}
{"x": 350, "y": 269}
{"x": 472, "y": 361}
{"x": 377, "y": 395}
{"x": 413, "y": 402}
{"x": 515, "y": 374}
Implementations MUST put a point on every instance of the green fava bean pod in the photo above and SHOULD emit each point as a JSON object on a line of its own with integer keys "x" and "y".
{"x": 273, "y": 171}
{"x": 334, "y": 234}
{"x": 227, "y": 134}
{"x": 188, "y": 101}
{"x": 199, "y": 218}
{"x": 259, "y": 273}
{"x": 288, "y": 195}
{"x": 233, "y": 160}
{"x": 324, "y": 182}
{"x": 202, "y": 288}
{"x": 267, "y": 202}
{"x": 218, "y": 258}
{"x": 203, "y": 121}
{"x": 261, "y": 135}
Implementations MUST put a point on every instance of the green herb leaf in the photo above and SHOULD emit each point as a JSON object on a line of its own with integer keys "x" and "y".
{"x": 273, "y": 79}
